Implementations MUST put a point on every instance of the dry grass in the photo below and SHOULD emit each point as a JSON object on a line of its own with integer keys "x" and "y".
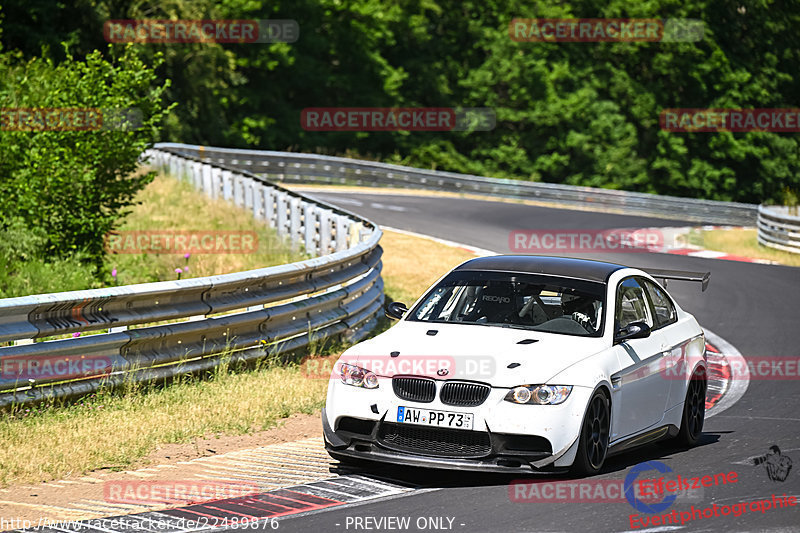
{"x": 115, "y": 430}
{"x": 406, "y": 274}
{"x": 169, "y": 205}
{"x": 741, "y": 242}
{"x": 112, "y": 431}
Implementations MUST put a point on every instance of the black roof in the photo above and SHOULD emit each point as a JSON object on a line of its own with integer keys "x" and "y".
{"x": 547, "y": 265}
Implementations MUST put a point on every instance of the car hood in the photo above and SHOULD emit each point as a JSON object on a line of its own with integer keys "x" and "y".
{"x": 502, "y": 357}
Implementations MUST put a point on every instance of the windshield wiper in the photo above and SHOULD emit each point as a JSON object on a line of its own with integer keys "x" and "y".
{"x": 513, "y": 326}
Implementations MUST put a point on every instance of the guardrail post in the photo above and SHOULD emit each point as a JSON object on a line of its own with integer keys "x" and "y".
{"x": 259, "y": 213}
{"x": 354, "y": 230}
{"x": 248, "y": 193}
{"x": 227, "y": 185}
{"x": 294, "y": 221}
{"x": 269, "y": 207}
{"x": 309, "y": 228}
{"x": 238, "y": 190}
{"x": 216, "y": 182}
{"x": 196, "y": 170}
{"x": 282, "y": 214}
{"x": 207, "y": 180}
{"x": 341, "y": 233}
{"x": 325, "y": 216}
{"x": 363, "y": 234}
{"x": 181, "y": 169}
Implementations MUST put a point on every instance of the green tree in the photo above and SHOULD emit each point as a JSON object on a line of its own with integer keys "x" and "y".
{"x": 76, "y": 184}
{"x": 575, "y": 113}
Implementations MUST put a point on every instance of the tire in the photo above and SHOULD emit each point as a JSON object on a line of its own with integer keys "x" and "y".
{"x": 694, "y": 411}
{"x": 593, "y": 440}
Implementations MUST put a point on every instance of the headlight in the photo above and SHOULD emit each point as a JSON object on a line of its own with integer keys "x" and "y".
{"x": 539, "y": 394}
{"x": 357, "y": 376}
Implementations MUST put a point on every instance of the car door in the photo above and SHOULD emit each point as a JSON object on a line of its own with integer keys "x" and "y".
{"x": 673, "y": 340}
{"x": 639, "y": 386}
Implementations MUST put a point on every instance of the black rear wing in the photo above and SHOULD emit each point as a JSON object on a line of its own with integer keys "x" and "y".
{"x": 680, "y": 275}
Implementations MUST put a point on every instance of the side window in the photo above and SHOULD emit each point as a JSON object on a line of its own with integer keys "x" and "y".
{"x": 632, "y": 304}
{"x": 664, "y": 310}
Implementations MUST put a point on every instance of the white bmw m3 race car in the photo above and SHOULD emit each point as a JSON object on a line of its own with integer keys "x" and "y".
{"x": 523, "y": 364}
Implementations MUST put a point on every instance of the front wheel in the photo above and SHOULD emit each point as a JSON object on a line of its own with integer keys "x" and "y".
{"x": 694, "y": 411}
{"x": 593, "y": 440}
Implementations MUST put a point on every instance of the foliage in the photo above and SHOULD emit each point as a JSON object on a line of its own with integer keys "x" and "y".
{"x": 74, "y": 185}
{"x": 576, "y": 113}
{"x": 27, "y": 269}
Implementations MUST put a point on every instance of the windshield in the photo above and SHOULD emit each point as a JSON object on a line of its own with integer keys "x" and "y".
{"x": 540, "y": 303}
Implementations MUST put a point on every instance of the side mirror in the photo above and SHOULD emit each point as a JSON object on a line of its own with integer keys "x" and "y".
{"x": 634, "y": 330}
{"x": 396, "y": 310}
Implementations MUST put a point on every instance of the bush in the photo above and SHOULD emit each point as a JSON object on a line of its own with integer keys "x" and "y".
{"x": 70, "y": 187}
{"x": 27, "y": 269}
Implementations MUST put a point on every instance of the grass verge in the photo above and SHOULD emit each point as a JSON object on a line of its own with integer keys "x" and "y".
{"x": 169, "y": 205}
{"x": 114, "y": 430}
{"x": 165, "y": 206}
{"x": 741, "y": 242}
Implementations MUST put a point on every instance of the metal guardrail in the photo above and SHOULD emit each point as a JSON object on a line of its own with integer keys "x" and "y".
{"x": 309, "y": 168}
{"x": 778, "y": 228}
{"x": 236, "y": 317}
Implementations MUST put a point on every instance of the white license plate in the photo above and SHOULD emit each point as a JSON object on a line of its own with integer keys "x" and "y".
{"x": 427, "y": 417}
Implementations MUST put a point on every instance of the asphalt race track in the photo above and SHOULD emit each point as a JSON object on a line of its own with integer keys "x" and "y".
{"x": 752, "y": 442}
{"x": 755, "y": 307}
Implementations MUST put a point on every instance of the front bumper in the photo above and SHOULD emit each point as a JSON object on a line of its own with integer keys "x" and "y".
{"x": 501, "y": 452}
